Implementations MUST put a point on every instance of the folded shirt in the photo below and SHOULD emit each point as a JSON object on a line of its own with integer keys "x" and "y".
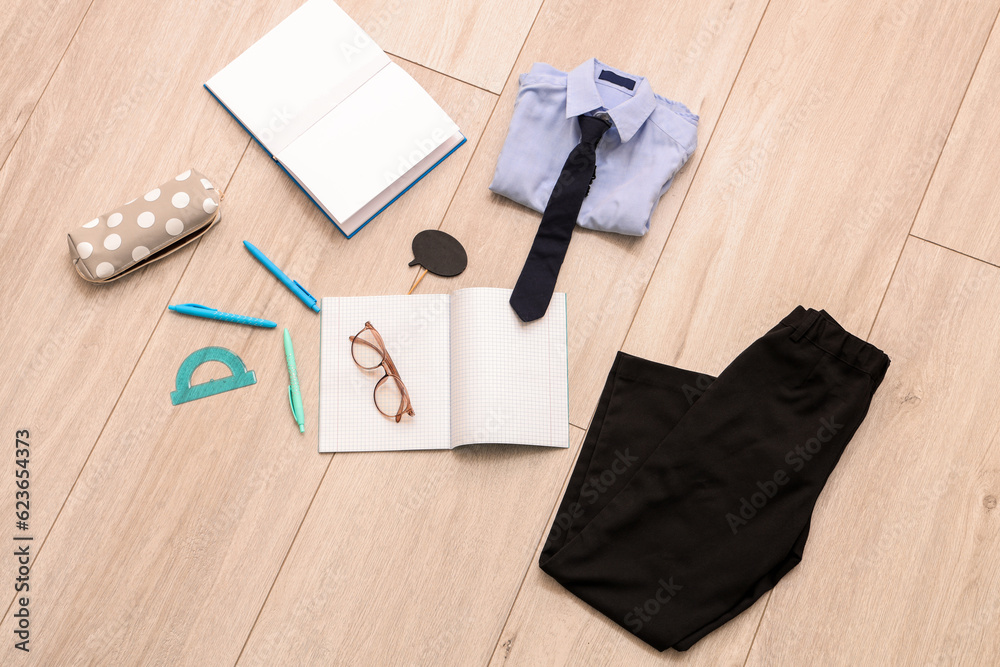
{"x": 650, "y": 140}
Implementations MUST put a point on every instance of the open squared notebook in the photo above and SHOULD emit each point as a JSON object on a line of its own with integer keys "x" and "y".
{"x": 349, "y": 126}
{"x": 475, "y": 373}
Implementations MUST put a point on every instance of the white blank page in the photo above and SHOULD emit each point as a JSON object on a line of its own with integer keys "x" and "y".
{"x": 415, "y": 331}
{"x": 365, "y": 144}
{"x": 297, "y": 72}
{"x": 508, "y": 378}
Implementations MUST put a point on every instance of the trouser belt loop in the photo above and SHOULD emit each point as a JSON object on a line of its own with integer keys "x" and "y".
{"x": 805, "y": 325}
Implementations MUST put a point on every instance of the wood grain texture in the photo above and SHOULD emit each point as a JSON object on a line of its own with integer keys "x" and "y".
{"x": 690, "y": 53}
{"x": 33, "y": 38}
{"x": 910, "y": 529}
{"x": 438, "y": 563}
{"x": 751, "y": 240}
{"x": 962, "y": 205}
{"x": 123, "y": 113}
{"x": 472, "y": 40}
{"x": 812, "y": 183}
{"x": 182, "y": 515}
{"x": 213, "y": 533}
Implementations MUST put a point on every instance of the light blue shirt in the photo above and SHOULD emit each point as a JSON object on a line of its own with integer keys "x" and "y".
{"x": 650, "y": 140}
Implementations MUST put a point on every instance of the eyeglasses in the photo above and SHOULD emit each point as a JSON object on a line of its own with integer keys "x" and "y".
{"x": 369, "y": 353}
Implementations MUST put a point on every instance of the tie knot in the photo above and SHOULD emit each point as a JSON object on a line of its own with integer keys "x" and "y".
{"x": 592, "y": 129}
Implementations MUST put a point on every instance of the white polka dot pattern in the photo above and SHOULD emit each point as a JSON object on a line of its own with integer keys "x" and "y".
{"x": 174, "y": 226}
{"x": 163, "y": 218}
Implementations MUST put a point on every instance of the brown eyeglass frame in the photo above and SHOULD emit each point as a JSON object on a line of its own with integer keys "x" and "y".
{"x": 405, "y": 406}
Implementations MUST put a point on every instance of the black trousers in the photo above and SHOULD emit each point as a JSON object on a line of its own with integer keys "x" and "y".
{"x": 692, "y": 495}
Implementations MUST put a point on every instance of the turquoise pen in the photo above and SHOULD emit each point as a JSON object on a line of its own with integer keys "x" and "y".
{"x": 213, "y": 314}
{"x": 293, "y": 285}
{"x": 294, "y": 395}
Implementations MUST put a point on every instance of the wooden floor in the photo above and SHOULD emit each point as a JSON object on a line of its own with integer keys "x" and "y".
{"x": 848, "y": 159}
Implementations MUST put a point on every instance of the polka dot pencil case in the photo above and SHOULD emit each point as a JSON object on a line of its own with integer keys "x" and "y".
{"x": 146, "y": 229}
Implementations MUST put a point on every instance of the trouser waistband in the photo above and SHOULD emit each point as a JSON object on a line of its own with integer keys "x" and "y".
{"x": 823, "y": 331}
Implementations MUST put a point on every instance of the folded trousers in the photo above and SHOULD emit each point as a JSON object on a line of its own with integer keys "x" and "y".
{"x": 692, "y": 495}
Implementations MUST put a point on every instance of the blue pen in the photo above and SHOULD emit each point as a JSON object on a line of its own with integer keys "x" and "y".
{"x": 293, "y": 285}
{"x": 213, "y": 314}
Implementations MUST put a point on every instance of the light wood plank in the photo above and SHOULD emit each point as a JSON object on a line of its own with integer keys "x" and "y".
{"x": 690, "y": 53}
{"x": 814, "y": 182}
{"x": 492, "y": 523}
{"x": 904, "y": 561}
{"x": 432, "y": 579}
{"x": 771, "y": 221}
{"x": 476, "y": 41}
{"x": 33, "y": 37}
{"x": 963, "y": 202}
{"x": 182, "y": 516}
{"x": 167, "y": 547}
{"x": 124, "y": 112}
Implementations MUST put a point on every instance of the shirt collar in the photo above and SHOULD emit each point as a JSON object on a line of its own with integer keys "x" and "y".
{"x": 582, "y": 96}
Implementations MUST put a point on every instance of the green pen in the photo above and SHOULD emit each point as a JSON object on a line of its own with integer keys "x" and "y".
{"x": 294, "y": 395}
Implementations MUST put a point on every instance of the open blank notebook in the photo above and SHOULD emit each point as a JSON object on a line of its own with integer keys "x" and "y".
{"x": 351, "y": 127}
{"x": 474, "y": 371}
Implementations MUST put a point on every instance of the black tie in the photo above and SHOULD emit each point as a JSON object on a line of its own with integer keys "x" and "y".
{"x": 537, "y": 281}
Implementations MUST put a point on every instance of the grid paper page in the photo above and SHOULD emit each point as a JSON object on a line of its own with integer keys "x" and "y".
{"x": 415, "y": 331}
{"x": 508, "y": 379}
